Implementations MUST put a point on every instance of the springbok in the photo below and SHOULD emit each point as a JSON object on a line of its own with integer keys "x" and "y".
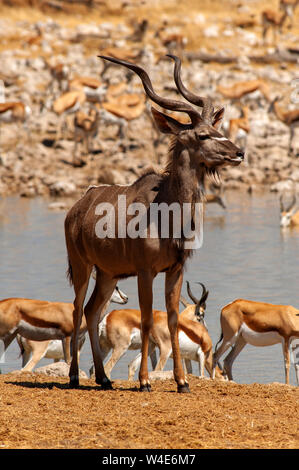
{"x": 119, "y": 110}
{"x": 37, "y": 320}
{"x": 258, "y": 324}
{"x": 289, "y": 216}
{"x": 289, "y": 117}
{"x": 15, "y": 111}
{"x": 194, "y": 339}
{"x": 239, "y": 128}
{"x": 197, "y": 149}
{"x": 68, "y": 103}
{"x": 85, "y": 127}
{"x": 289, "y": 7}
{"x": 216, "y": 196}
{"x": 59, "y": 74}
{"x": 240, "y": 89}
{"x": 272, "y": 19}
{"x": 120, "y": 331}
{"x": 93, "y": 88}
{"x": 55, "y": 349}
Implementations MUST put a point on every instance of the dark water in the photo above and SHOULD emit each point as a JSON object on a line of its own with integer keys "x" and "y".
{"x": 244, "y": 254}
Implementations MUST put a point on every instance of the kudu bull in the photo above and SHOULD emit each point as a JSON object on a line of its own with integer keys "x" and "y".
{"x": 196, "y": 149}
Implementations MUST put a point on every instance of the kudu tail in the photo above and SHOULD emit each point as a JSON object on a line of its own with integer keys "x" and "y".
{"x": 69, "y": 273}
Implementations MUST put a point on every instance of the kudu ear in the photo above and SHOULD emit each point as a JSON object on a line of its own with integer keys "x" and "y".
{"x": 166, "y": 124}
{"x": 217, "y": 118}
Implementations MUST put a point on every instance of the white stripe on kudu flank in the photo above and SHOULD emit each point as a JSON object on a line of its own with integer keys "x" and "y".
{"x": 220, "y": 138}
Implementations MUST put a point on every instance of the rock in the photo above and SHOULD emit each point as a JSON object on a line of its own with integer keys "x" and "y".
{"x": 111, "y": 176}
{"x": 235, "y": 174}
{"x": 282, "y": 186}
{"x": 256, "y": 175}
{"x": 161, "y": 375}
{"x": 60, "y": 206}
{"x": 211, "y": 32}
{"x": 28, "y": 192}
{"x": 295, "y": 175}
{"x": 58, "y": 369}
{"x": 120, "y": 161}
{"x": 62, "y": 188}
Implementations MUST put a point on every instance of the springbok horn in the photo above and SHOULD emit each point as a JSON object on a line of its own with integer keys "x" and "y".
{"x": 205, "y": 103}
{"x": 292, "y": 203}
{"x": 173, "y": 105}
{"x": 204, "y": 294}
{"x": 290, "y": 206}
{"x": 281, "y": 203}
{"x": 194, "y": 299}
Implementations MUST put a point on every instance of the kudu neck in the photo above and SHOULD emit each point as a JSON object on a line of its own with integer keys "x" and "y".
{"x": 186, "y": 179}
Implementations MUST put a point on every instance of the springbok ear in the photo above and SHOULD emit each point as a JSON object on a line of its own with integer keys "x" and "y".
{"x": 217, "y": 118}
{"x": 184, "y": 301}
{"x": 167, "y": 124}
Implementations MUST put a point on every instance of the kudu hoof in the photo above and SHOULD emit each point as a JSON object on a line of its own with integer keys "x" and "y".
{"x": 145, "y": 388}
{"x": 74, "y": 381}
{"x": 183, "y": 388}
{"x": 106, "y": 384}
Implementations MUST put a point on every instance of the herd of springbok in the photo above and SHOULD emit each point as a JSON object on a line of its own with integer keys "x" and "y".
{"x": 57, "y": 329}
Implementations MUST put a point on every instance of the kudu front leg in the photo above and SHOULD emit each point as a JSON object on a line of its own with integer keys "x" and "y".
{"x": 173, "y": 285}
{"x": 145, "y": 293}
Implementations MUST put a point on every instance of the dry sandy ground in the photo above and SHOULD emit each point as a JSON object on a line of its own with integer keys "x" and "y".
{"x": 41, "y": 412}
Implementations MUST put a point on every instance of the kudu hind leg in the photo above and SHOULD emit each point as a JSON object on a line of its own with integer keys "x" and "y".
{"x": 81, "y": 275}
{"x": 93, "y": 312}
{"x": 173, "y": 285}
{"x": 145, "y": 293}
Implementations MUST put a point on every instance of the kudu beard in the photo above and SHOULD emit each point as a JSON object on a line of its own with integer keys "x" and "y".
{"x": 168, "y": 221}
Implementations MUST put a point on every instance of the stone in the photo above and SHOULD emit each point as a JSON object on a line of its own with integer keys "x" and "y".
{"x": 62, "y": 188}
{"x": 161, "y": 375}
{"x": 58, "y": 369}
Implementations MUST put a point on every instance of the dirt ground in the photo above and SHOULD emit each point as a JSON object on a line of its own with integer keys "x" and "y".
{"x": 41, "y": 412}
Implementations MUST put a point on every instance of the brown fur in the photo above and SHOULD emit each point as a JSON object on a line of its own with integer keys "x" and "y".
{"x": 196, "y": 150}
